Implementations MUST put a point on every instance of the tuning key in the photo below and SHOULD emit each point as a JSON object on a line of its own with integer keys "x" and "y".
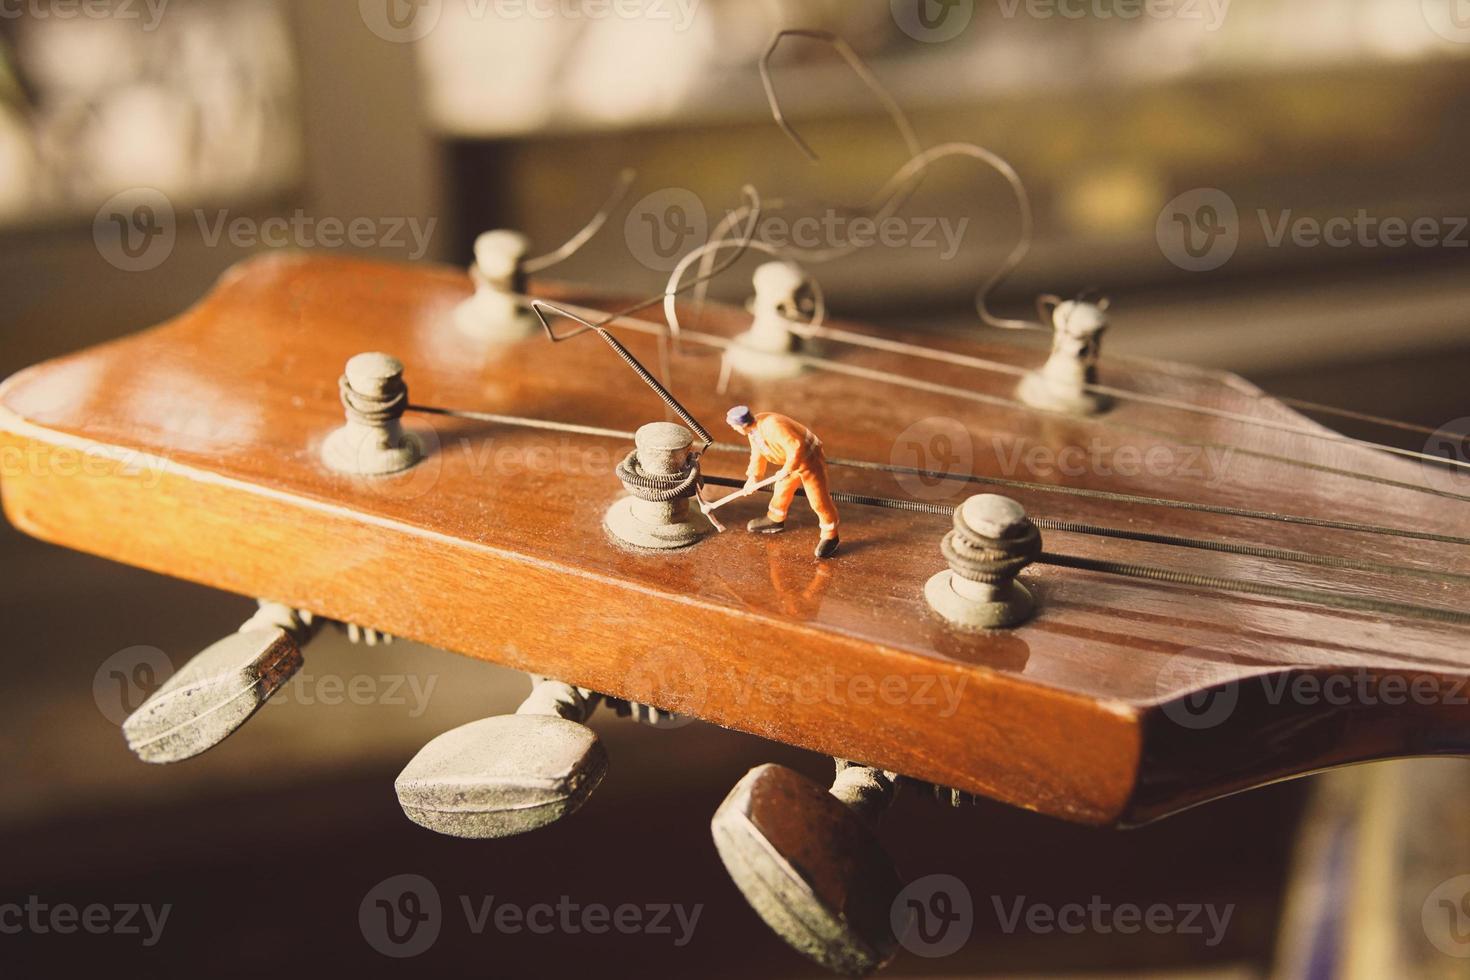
{"x": 218, "y": 690}
{"x": 809, "y": 863}
{"x": 510, "y": 774}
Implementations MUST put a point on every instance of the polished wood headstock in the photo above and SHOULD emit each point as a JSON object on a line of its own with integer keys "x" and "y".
{"x": 196, "y": 450}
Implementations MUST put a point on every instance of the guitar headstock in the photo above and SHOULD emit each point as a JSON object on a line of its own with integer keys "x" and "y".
{"x": 1220, "y": 593}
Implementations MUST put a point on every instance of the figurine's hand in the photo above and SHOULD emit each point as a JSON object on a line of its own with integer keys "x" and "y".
{"x": 749, "y": 488}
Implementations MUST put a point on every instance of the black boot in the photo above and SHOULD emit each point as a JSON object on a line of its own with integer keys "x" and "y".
{"x": 827, "y": 547}
{"x": 764, "y": 525}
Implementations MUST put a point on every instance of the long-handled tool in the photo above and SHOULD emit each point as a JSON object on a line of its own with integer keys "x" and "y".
{"x": 710, "y": 508}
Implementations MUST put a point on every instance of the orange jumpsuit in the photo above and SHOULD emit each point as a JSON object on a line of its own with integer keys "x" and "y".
{"x": 791, "y": 445}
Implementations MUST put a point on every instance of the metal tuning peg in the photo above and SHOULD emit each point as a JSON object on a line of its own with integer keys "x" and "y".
{"x": 1067, "y": 381}
{"x": 217, "y": 691}
{"x": 363, "y": 636}
{"x": 768, "y": 350}
{"x": 494, "y": 312}
{"x": 645, "y": 714}
{"x": 509, "y": 774}
{"x": 810, "y": 864}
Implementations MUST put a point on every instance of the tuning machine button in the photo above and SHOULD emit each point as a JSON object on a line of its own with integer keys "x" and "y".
{"x": 810, "y": 864}
{"x": 218, "y": 690}
{"x": 510, "y": 774}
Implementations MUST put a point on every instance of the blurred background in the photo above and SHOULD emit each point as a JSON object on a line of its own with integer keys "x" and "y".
{"x": 1273, "y": 187}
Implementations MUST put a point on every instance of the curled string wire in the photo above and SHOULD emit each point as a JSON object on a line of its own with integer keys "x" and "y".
{"x": 859, "y": 68}
{"x": 574, "y": 244}
{"x": 901, "y": 122}
{"x": 921, "y": 162}
{"x": 900, "y": 186}
{"x": 895, "y": 190}
{"x": 657, "y": 488}
{"x": 373, "y": 409}
{"x": 753, "y": 200}
{"x": 671, "y": 308}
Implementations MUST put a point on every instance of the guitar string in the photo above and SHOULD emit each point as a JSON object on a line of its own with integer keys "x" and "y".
{"x": 901, "y": 184}
{"x": 876, "y": 207}
{"x": 896, "y": 191}
{"x": 1072, "y": 527}
{"x": 964, "y": 360}
{"x": 1348, "y": 413}
{"x": 574, "y": 244}
{"x": 820, "y": 331}
{"x": 1114, "y": 496}
{"x": 753, "y": 203}
{"x": 1169, "y": 576}
{"x": 1303, "y": 404}
{"x": 888, "y": 377}
{"x": 1123, "y": 569}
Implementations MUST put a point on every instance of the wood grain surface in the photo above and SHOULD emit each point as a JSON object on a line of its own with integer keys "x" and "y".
{"x": 193, "y": 450}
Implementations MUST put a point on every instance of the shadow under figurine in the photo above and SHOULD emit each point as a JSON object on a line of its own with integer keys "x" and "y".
{"x": 784, "y": 442}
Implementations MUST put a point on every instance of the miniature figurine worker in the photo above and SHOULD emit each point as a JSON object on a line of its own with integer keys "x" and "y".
{"x": 791, "y": 446}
